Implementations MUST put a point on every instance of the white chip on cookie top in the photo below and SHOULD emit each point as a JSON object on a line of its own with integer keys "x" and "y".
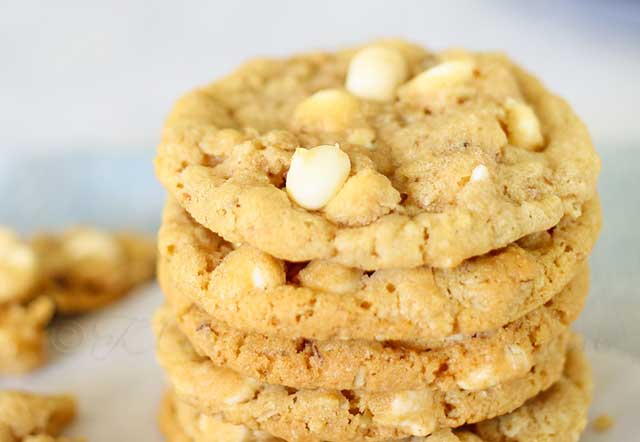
{"x": 375, "y": 73}
{"x": 258, "y": 278}
{"x": 441, "y": 77}
{"x": 328, "y": 110}
{"x": 316, "y": 175}
{"x": 480, "y": 173}
{"x": 523, "y": 126}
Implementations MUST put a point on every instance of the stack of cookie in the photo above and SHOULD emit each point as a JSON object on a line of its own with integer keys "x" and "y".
{"x": 373, "y": 245}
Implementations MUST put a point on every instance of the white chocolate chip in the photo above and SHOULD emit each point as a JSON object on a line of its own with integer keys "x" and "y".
{"x": 316, "y": 175}
{"x": 258, "y": 279}
{"x": 328, "y": 110}
{"x": 522, "y": 124}
{"x": 480, "y": 173}
{"x": 92, "y": 244}
{"x": 411, "y": 411}
{"x": 479, "y": 379}
{"x": 375, "y": 73}
{"x": 443, "y": 76}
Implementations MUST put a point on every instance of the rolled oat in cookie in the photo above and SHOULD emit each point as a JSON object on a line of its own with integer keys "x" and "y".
{"x": 451, "y": 155}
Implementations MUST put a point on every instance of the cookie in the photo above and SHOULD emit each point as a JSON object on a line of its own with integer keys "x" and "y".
{"x": 23, "y": 335}
{"x": 19, "y": 268}
{"x": 473, "y": 362}
{"x": 85, "y": 269}
{"x": 337, "y": 415}
{"x": 180, "y": 422}
{"x": 321, "y": 300}
{"x": 466, "y": 154}
{"x": 26, "y": 417}
{"x": 555, "y": 415}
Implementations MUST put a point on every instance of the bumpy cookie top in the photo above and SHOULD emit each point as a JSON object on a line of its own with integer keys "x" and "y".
{"x": 378, "y": 157}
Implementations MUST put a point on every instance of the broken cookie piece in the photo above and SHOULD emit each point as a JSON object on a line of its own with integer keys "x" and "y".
{"x": 26, "y": 417}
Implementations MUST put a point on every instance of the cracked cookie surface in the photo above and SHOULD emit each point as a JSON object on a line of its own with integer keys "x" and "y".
{"x": 470, "y": 154}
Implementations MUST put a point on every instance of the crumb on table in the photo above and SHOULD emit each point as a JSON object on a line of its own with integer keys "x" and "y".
{"x": 603, "y": 423}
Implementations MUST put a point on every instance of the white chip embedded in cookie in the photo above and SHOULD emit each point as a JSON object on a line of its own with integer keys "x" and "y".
{"x": 437, "y": 81}
{"x": 522, "y": 125}
{"x": 316, "y": 175}
{"x": 328, "y": 110}
{"x": 375, "y": 73}
{"x": 480, "y": 173}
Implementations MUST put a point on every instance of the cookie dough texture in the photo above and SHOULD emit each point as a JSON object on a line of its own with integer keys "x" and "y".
{"x": 469, "y": 362}
{"x": 249, "y": 289}
{"x": 26, "y": 417}
{"x": 23, "y": 335}
{"x": 338, "y": 415}
{"x": 555, "y": 415}
{"x": 226, "y": 149}
{"x": 85, "y": 269}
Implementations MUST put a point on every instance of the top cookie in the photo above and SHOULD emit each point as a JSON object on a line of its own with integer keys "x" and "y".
{"x": 380, "y": 157}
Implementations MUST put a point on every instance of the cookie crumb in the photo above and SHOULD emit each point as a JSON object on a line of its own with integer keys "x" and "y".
{"x": 603, "y": 423}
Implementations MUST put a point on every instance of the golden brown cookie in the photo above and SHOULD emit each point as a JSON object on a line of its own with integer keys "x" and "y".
{"x": 23, "y": 336}
{"x": 85, "y": 269}
{"x": 180, "y": 422}
{"x": 556, "y": 415}
{"x": 337, "y": 415}
{"x": 473, "y": 362}
{"x": 26, "y": 417}
{"x": 322, "y": 300}
{"x": 19, "y": 268}
{"x": 464, "y": 153}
